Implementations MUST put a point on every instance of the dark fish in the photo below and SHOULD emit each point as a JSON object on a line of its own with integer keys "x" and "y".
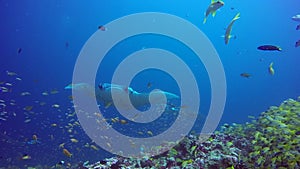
{"x": 67, "y": 44}
{"x": 149, "y": 84}
{"x": 246, "y": 75}
{"x": 298, "y": 27}
{"x": 19, "y": 50}
{"x": 102, "y": 28}
{"x": 269, "y": 47}
{"x": 297, "y": 43}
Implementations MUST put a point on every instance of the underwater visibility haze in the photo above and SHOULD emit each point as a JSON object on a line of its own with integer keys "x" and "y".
{"x": 258, "y": 45}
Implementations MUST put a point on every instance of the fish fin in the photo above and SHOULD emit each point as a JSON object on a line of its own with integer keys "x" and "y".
{"x": 204, "y": 21}
{"x": 214, "y": 13}
{"x": 232, "y": 36}
{"x": 237, "y": 16}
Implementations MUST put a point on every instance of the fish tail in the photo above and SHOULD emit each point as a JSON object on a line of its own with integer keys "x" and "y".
{"x": 237, "y": 16}
{"x": 214, "y": 13}
{"x": 204, "y": 21}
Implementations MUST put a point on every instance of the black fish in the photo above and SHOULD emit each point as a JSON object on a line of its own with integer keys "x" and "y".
{"x": 102, "y": 28}
{"x": 269, "y": 47}
{"x": 19, "y": 50}
{"x": 297, "y": 43}
{"x": 67, "y": 44}
{"x": 298, "y": 27}
{"x": 246, "y": 75}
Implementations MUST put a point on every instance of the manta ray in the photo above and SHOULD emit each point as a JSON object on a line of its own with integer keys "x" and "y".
{"x": 104, "y": 91}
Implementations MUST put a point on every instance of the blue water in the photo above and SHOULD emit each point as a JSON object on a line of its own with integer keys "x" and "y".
{"x": 51, "y": 35}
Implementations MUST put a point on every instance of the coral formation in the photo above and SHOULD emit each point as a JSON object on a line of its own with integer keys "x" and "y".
{"x": 270, "y": 141}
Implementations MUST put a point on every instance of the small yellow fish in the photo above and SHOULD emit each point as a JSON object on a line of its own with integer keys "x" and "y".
{"x": 114, "y": 120}
{"x": 108, "y": 144}
{"x": 271, "y": 69}
{"x": 229, "y": 28}
{"x": 62, "y": 145}
{"x": 107, "y": 105}
{"x": 67, "y": 153}
{"x": 8, "y": 84}
{"x": 212, "y": 9}
{"x": 11, "y": 73}
{"x": 73, "y": 140}
{"x": 150, "y": 133}
{"x": 123, "y": 121}
{"x": 251, "y": 117}
{"x": 27, "y": 120}
{"x": 55, "y": 105}
{"x": 54, "y": 91}
{"x": 28, "y": 108}
{"x": 94, "y": 147}
{"x": 34, "y": 137}
{"x": 26, "y": 157}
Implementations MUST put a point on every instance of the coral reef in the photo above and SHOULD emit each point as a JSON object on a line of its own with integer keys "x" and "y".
{"x": 219, "y": 151}
{"x": 270, "y": 141}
